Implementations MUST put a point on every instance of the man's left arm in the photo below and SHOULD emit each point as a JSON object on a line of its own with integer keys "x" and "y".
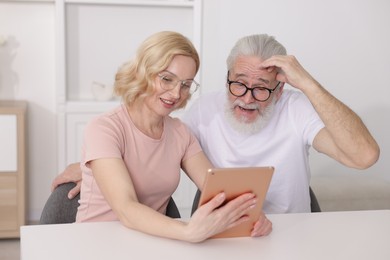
{"x": 344, "y": 137}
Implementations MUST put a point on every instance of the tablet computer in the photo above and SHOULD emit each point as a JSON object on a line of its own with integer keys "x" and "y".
{"x": 234, "y": 182}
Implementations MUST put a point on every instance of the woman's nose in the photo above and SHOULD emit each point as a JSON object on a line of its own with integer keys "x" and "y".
{"x": 175, "y": 92}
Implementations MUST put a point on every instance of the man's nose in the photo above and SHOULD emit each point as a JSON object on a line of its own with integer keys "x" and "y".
{"x": 248, "y": 97}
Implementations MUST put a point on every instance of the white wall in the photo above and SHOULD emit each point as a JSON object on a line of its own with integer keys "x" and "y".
{"x": 343, "y": 43}
{"x": 27, "y": 72}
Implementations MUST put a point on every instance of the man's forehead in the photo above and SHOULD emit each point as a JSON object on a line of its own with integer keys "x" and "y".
{"x": 250, "y": 66}
{"x": 258, "y": 74}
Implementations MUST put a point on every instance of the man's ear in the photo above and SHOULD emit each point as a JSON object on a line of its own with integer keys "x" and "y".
{"x": 280, "y": 90}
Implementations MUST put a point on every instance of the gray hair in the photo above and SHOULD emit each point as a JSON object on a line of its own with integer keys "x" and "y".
{"x": 260, "y": 45}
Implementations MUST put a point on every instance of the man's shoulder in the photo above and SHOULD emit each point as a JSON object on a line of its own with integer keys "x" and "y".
{"x": 205, "y": 106}
{"x": 292, "y": 96}
{"x": 291, "y": 93}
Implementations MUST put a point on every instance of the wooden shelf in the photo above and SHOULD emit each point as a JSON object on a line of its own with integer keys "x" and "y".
{"x": 12, "y": 176}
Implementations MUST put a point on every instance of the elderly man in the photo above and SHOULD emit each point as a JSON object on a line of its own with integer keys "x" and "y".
{"x": 254, "y": 121}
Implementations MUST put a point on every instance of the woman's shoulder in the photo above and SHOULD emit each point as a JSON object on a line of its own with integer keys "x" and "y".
{"x": 174, "y": 121}
{"x": 112, "y": 117}
{"x": 177, "y": 125}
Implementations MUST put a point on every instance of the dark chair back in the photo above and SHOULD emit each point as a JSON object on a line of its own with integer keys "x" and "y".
{"x": 59, "y": 209}
{"x": 314, "y": 205}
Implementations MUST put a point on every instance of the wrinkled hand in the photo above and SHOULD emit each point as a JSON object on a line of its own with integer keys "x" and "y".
{"x": 209, "y": 220}
{"x": 289, "y": 70}
{"x": 72, "y": 173}
{"x": 262, "y": 227}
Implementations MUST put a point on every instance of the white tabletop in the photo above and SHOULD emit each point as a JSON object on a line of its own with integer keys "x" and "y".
{"x": 332, "y": 235}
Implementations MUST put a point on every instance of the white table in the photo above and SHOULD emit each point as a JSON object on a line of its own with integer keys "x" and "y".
{"x": 331, "y": 235}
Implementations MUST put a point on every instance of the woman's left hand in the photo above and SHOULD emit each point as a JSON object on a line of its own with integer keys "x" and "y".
{"x": 262, "y": 227}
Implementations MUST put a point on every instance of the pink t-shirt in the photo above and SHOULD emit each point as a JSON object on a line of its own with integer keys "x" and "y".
{"x": 153, "y": 165}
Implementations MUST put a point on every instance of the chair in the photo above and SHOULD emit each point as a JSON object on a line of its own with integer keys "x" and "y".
{"x": 59, "y": 209}
{"x": 172, "y": 210}
{"x": 314, "y": 205}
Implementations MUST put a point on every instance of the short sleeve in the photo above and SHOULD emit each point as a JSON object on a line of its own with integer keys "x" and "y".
{"x": 102, "y": 139}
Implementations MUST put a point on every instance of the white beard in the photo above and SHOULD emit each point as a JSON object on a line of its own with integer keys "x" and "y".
{"x": 239, "y": 123}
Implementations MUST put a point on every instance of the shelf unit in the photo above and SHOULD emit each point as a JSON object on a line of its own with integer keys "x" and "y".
{"x": 12, "y": 167}
{"x": 94, "y": 37}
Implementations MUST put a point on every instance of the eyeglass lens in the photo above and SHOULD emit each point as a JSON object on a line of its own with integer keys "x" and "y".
{"x": 258, "y": 93}
{"x": 169, "y": 82}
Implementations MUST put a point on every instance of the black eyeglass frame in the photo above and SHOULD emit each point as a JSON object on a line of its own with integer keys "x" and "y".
{"x": 229, "y": 82}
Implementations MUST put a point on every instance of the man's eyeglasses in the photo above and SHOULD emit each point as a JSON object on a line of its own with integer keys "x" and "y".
{"x": 239, "y": 89}
{"x": 168, "y": 81}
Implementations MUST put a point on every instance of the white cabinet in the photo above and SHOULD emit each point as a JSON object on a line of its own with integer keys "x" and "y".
{"x": 94, "y": 38}
{"x": 12, "y": 167}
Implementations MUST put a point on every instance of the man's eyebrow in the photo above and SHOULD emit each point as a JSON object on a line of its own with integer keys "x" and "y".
{"x": 259, "y": 79}
{"x": 263, "y": 80}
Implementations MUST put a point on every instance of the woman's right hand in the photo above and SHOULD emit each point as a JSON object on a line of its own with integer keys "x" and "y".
{"x": 211, "y": 219}
{"x": 72, "y": 173}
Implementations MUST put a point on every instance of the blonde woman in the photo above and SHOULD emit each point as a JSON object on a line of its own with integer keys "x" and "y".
{"x": 132, "y": 155}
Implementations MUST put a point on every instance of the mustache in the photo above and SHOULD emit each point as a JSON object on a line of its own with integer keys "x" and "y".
{"x": 242, "y": 104}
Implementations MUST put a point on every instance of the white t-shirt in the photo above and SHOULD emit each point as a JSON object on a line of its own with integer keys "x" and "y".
{"x": 284, "y": 143}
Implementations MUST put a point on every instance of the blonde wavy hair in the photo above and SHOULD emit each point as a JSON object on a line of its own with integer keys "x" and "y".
{"x": 135, "y": 79}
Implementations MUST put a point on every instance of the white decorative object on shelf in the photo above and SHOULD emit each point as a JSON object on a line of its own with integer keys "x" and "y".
{"x": 102, "y": 92}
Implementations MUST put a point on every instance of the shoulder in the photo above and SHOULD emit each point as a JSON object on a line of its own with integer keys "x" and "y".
{"x": 292, "y": 97}
{"x": 291, "y": 94}
{"x": 205, "y": 105}
{"x": 112, "y": 119}
{"x": 176, "y": 124}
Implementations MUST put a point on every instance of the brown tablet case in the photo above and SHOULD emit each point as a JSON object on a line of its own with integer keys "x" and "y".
{"x": 234, "y": 182}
